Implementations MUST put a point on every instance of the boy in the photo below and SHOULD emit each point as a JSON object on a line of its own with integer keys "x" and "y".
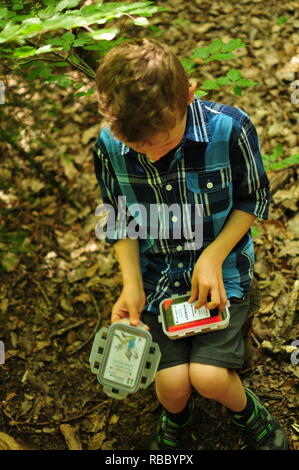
{"x": 164, "y": 148}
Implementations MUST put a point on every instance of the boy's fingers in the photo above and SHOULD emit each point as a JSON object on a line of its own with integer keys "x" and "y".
{"x": 223, "y": 298}
{"x": 222, "y": 305}
{"x": 202, "y": 297}
{"x": 215, "y": 299}
{"x": 194, "y": 293}
{"x": 134, "y": 316}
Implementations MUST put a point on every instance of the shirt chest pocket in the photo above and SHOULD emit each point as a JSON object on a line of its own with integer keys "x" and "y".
{"x": 212, "y": 189}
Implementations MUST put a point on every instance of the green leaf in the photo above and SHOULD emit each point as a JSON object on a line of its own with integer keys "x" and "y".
{"x": 66, "y": 4}
{"x": 188, "y": 65}
{"x": 233, "y": 75}
{"x": 210, "y": 85}
{"x": 237, "y": 90}
{"x": 215, "y": 46}
{"x": 83, "y": 39}
{"x": 245, "y": 82}
{"x": 201, "y": 93}
{"x": 292, "y": 159}
{"x": 255, "y": 232}
{"x": 4, "y": 13}
{"x": 232, "y": 45}
{"x": 200, "y": 53}
{"x": 107, "y": 34}
{"x": 62, "y": 80}
{"x": 28, "y": 51}
{"x": 24, "y": 51}
{"x": 85, "y": 93}
{"x": 47, "y": 12}
{"x": 66, "y": 40}
{"x": 39, "y": 70}
{"x": 223, "y": 81}
{"x": 17, "y": 5}
{"x": 103, "y": 46}
{"x": 278, "y": 151}
{"x": 281, "y": 20}
{"x": 221, "y": 56}
{"x": 141, "y": 21}
{"x": 45, "y": 49}
{"x": 9, "y": 32}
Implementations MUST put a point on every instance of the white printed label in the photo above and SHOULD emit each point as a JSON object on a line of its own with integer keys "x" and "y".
{"x": 124, "y": 358}
{"x": 186, "y": 312}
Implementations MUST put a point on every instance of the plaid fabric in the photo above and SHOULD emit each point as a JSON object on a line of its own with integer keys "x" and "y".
{"x": 216, "y": 168}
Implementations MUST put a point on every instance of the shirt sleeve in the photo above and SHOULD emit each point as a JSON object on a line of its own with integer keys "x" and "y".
{"x": 112, "y": 212}
{"x": 251, "y": 188}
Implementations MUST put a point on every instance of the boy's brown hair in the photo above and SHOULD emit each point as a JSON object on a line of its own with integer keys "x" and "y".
{"x": 141, "y": 86}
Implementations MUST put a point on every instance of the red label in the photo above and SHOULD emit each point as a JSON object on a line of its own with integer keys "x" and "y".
{"x": 167, "y": 303}
{"x": 205, "y": 321}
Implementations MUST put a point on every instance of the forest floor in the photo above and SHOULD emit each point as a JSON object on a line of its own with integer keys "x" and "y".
{"x": 58, "y": 282}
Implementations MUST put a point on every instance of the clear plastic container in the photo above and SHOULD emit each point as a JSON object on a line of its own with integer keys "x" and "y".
{"x": 124, "y": 358}
{"x": 179, "y": 318}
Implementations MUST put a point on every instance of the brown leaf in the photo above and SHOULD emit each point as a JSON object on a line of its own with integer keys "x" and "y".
{"x": 114, "y": 419}
{"x": 84, "y": 297}
{"x": 39, "y": 345}
{"x": 96, "y": 441}
{"x": 92, "y": 270}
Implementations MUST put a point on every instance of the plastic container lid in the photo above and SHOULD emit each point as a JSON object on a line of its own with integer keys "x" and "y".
{"x": 124, "y": 358}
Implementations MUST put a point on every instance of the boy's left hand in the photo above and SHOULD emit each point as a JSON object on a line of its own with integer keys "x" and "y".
{"x": 207, "y": 285}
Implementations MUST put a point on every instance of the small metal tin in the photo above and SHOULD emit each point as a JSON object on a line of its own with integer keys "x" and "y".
{"x": 179, "y": 318}
{"x": 124, "y": 358}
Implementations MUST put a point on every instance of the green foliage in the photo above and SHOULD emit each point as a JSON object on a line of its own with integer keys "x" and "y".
{"x": 255, "y": 232}
{"x": 12, "y": 244}
{"x": 218, "y": 50}
{"x": 280, "y": 20}
{"x": 47, "y": 42}
{"x": 63, "y": 15}
{"x": 273, "y": 161}
{"x": 43, "y": 37}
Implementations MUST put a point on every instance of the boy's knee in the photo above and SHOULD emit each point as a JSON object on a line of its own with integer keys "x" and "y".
{"x": 174, "y": 382}
{"x": 209, "y": 381}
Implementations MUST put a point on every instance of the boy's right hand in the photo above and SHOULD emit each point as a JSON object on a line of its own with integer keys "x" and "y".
{"x": 130, "y": 304}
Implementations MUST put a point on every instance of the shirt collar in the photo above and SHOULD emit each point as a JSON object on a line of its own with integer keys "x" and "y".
{"x": 197, "y": 127}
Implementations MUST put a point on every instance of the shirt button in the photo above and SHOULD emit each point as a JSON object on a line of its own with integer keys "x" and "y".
{"x": 177, "y": 284}
{"x": 168, "y": 187}
{"x": 174, "y": 218}
{"x": 179, "y": 248}
{"x": 180, "y": 265}
{"x": 210, "y": 185}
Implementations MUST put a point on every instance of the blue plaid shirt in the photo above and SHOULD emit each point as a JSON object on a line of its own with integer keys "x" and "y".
{"x": 217, "y": 167}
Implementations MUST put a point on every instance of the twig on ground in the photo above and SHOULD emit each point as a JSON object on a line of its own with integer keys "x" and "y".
{"x": 71, "y": 437}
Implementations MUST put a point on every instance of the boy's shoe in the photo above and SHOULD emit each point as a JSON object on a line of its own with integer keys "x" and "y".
{"x": 168, "y": 434}
{"x": 263, "y": 429}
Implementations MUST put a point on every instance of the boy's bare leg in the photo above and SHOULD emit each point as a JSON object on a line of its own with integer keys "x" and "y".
{"x": 220, "y": 384}
{"x": 173, "y": 387}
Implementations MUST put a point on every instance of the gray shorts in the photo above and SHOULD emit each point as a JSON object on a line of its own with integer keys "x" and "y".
{"x": 222, "y": 348}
